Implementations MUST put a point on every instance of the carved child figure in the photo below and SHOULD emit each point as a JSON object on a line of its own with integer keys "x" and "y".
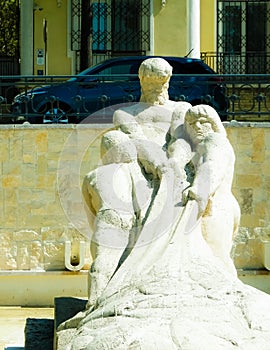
{"x": 213, "y": 161}
{"x": 116, "y": 194}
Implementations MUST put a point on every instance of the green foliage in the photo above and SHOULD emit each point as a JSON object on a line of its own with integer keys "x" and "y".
{"x": 9, "y": 27}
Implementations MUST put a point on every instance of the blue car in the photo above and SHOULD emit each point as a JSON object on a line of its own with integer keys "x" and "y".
{"x": 112, "y": 82}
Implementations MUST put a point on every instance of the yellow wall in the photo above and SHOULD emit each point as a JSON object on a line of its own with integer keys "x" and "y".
{"x": 208, "y": 25}
{"x": 170, "y": 28}
{"x": 169, "y": 32}
{"x": 57, "y": 61}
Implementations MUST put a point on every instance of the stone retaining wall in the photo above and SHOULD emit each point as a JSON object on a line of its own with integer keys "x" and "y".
{"x": 41, "y": 170}
{"x": 251, "y": 143}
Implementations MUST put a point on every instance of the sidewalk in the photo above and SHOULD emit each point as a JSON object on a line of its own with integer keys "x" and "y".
{"x": 12, "y": 323}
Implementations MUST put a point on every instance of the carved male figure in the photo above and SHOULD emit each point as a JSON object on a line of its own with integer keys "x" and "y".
{"x": 135, "y": 155}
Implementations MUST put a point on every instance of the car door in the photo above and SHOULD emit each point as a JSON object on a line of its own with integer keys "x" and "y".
{"x": 89, "y": 94}
{"x": 117, "y": 83}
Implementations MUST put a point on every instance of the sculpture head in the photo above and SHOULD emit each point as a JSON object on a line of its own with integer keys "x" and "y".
{"x": 116, "y": 147}
{"x": 155, "y": 74}
{"x": 202, "y": 120}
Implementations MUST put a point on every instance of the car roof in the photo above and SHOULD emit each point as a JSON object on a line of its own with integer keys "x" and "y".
{"x": 142, "y": 58}
{"x": 181, "y": 60}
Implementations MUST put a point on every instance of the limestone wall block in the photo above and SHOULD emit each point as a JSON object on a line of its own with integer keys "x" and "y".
{"x": 24, "y": 195}
{"x": 29, "y": 175}
{"x": 46, "y": 181}
{"x": 28, "y": 140}
{"x": 11, "y": 168}
{"x": 25, "y": 236}
{"x": 29, "y": 158}
{"x": 244, "y": 136}
{"x": 23, "y": 256}
{"x": 4, "y": 154}
{"x": 246, "y": 200}
{"x": 54, "y": 255}
{"x": 36, "y": 256}
{"x": 10, "y": 215}
{"x": 56, "y": 143}
{"x": 16, "y": 146}
{"x": 11, "y": 181}
{"x": 42, "y": 164}
{"x": 266, "y": 166}
{"x": 7, "y": 260}
{"x": 260, "y": 209}
{"x": 10, "y": 196}
{"x": 51, "y": 233}
{"x": 52, "y": 165}
{"x": 35, "y": 219}
{"x": 267, "y": 141}
{"x": 6, "y": 238}
{"x": 258, "y": 146}
{"x": 248, "y": 247}
{"x": 41, "y": 141}
{"x": 249, "y": 254}
{"x": 250, "y": 220}
{"x": 262, "y": 232}
{"x": 248, "y": 180}
{"x": 244, "y": 151}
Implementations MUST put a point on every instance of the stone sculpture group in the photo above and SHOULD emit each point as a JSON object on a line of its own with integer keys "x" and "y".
{"x": 164, "y": 218}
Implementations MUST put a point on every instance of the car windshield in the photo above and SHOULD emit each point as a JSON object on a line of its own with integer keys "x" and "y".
{"x": 87, "y": 71}
{"x": 118, "y": 68}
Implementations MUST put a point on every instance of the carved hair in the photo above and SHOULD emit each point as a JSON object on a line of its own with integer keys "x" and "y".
{"x": 116, "y": 147}
{"x": 207, "y": 112}
{"x": 155, "y": 67}
{"x": 155, "y": 74}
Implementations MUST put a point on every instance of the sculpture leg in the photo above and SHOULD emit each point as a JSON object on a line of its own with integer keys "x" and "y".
{"x": 219, "y": 228}
{"x": 109, "y": 242}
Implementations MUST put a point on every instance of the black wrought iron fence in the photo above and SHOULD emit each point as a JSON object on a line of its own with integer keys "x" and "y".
{"x": 66, "y": 99}
{"x": 238, "y": 62}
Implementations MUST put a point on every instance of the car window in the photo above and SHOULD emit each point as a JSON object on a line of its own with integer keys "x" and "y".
{"x": 189, "y": 68}
{"x": 120, "y": 68}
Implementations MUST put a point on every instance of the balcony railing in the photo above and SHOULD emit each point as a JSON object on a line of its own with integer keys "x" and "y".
{"x": 238, "y": 62}
{"x": 238, "y": 97}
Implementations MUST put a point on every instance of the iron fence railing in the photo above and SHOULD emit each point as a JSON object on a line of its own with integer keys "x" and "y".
{"x": 238, "y": 62}
{"x": 235, "y": 97}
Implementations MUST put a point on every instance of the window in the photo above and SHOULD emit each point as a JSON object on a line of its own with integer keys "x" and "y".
{"x": 120, "y": 26}
{"x": 243, "y": 35}
{"x": 99, "y": 26}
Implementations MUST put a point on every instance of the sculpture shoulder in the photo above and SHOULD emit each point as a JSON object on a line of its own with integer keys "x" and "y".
{"x": 121, "y": 116}
{"x": 216, "y": 144}
{"x": 216, "y": 140}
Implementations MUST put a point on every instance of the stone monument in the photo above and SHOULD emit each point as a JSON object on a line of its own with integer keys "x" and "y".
{"x": 164, "y": 218}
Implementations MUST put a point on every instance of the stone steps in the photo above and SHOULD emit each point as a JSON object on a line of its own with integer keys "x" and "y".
{"x": 39, "y": 334}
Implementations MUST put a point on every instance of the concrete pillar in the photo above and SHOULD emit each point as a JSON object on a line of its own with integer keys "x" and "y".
{"x": 194, "y": 28}
{"x": 27, "y": 45}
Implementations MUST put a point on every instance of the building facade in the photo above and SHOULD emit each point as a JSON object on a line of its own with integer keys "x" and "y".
{"x": 68, "y": 35}
{"x": 63, "y": 37}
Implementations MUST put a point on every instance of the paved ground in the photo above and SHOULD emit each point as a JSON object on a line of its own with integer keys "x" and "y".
{"x": 12, "y": 323}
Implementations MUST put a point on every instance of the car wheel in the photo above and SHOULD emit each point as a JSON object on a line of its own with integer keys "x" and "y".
{"x": 56, "y": 114}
